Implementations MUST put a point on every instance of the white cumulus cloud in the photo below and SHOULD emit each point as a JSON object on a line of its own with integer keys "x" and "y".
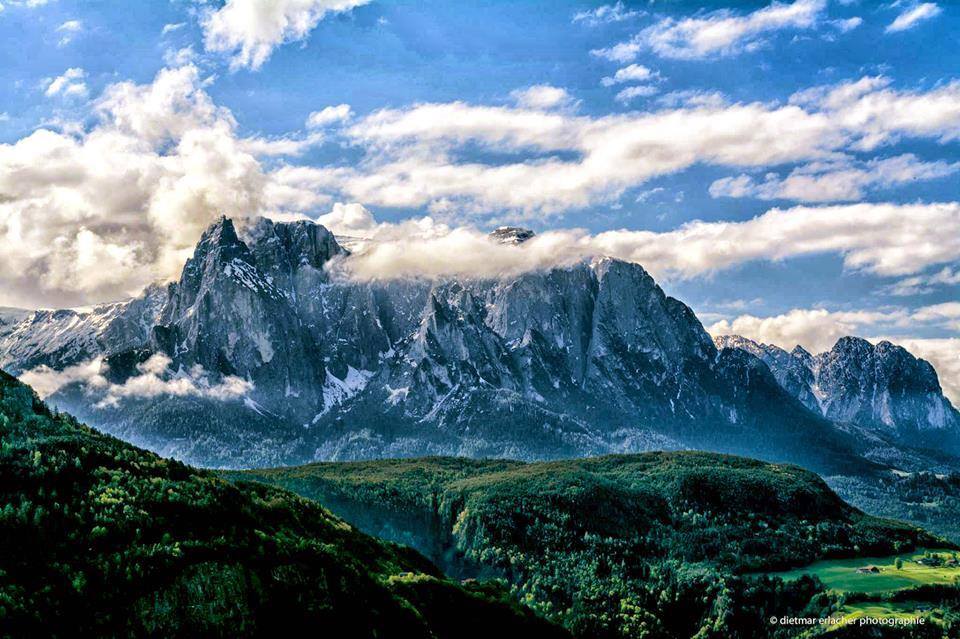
{"x": 329, "y": 115}
{"x": 542, "y": 97}
{"x": 630, "y": 73}
{"x": 95, "y": 214}
{"x": 249, "y": 30}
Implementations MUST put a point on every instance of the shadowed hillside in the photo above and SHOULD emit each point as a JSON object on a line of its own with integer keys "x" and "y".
{"x": 102, "y": 539}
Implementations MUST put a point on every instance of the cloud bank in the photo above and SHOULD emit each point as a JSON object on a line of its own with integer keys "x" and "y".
{"x": 883, "y": 239}
{"x": 95, "y": 211}
{"x": 414, "y": 156}
{"x": 154, "y": 378}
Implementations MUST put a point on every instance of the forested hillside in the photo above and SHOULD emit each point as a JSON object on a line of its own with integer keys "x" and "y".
{"x": 651, "y": 545}
{"x": 100, "y": 538}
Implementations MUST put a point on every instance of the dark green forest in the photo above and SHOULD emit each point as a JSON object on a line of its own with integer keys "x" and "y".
{"x": 929, "y": 499}
{"x": 657, "y": 545}
{"x": 101, "y": 539}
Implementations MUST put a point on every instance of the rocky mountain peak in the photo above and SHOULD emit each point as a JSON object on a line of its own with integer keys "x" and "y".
{"x": 297, "y": 242}
{"x": 219, "y": 235}
{"x": 292, "y": 255}
{"x": 511, "y": 235}
{"x": 219, "y": 252}
{"x": 739, "y": 342}
{"x": 851, "y": 345}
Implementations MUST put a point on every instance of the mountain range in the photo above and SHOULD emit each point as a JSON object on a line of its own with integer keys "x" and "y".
{"x": 263, "y": 353}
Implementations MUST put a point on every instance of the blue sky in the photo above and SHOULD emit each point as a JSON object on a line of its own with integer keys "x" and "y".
{"x": 812, "y": 144}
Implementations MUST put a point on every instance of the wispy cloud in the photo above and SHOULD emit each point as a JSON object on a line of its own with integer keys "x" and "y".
{"x": 171, "y": 27}
{"x": 70, "y": 84}
{"x": 926, "y": 283}
{"x": 913, "y": 16}
{"x": 607, "y": 13}
{"x": 68, "y": 31}
{"x": 620, "y": 52}
{"x": 631, "y": 93}
{"x": 834, "y": 181}
{"x": 412, "y": 154}
{"x": 848, "y": 24}
{"x": 29, "y": 4}
{"x": 719, "y": 33}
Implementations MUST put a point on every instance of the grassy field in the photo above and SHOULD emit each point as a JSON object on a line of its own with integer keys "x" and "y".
{"x": 841, "y": 575}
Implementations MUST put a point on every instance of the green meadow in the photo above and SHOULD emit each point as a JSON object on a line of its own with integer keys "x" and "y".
{"x": 843, "y": 576}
